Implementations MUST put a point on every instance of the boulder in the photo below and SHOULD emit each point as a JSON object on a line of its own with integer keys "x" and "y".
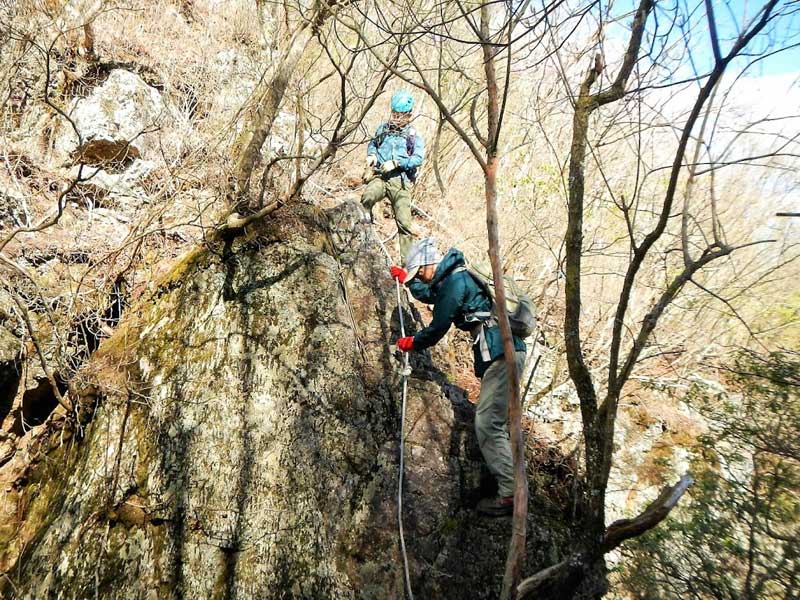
{"x": 116, "y": 122}
{"x": 245, "y": 441}
{"x": 114, "y": 188}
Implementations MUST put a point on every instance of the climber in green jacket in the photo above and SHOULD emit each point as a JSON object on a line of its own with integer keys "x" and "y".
{"x": 458, "y": 300}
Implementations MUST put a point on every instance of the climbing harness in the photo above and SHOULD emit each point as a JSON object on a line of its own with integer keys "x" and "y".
{"x": 405, "y": 373}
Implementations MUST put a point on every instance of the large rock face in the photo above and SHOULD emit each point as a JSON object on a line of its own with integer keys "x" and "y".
{"x": 243, "y": 442}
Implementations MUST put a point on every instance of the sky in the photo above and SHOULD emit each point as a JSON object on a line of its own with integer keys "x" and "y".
{"x": 730, "y": 17}
{"x": 770, "y": 85}
{"x": 769, "y": 89}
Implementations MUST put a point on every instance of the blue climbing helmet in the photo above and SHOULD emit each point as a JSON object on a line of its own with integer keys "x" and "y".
{"x": 402, "y": 102}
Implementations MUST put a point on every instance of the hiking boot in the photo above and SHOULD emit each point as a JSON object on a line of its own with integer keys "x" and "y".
{"x": 497, "y": 506}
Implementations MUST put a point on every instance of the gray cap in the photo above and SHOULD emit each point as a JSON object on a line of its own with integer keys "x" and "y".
{"x": 422, "y": 253}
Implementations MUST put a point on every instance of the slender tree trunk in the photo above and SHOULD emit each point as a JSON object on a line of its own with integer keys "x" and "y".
{"x": 436, "y": 147}
{"x": 269, "y": 94}
{"x": 594, "y": 517}
{"x": 515, "y": 562}
{"x": 300, "y": 136}
{"x": 598, "y": 432}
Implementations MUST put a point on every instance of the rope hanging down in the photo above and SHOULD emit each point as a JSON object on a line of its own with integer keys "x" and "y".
{"x": 405, "y": 373}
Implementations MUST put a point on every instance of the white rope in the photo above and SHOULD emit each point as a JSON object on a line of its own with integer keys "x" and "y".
{"x": 405, "y": 373}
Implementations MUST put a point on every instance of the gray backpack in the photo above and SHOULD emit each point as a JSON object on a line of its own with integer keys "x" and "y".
{"x": 519, "y": 306}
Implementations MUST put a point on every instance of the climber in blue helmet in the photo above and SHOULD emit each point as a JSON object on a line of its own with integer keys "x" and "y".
{"x": 393, "y": 156}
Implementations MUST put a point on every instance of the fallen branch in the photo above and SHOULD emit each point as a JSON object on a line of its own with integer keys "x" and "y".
{"x": 554, "y": 582}
{"x": 657, "y": 511}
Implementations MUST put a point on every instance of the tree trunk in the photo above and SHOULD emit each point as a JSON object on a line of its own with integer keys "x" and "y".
{"x": 269, "y": 94}
{"x": 594, "y": 514}
{"x": 516, "y": 550}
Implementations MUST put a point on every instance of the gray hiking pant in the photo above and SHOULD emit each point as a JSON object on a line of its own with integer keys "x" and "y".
{"x": 491, "y": 423}
{"x": 400, "y": 197}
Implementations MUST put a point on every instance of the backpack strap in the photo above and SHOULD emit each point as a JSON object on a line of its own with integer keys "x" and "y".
{"x": 411, "y": 139}
{"x": 380, "y": 134}
{"x": 479, "y": 316}
{"x": 408, "y": 133}
{"x": 480, "y": 340}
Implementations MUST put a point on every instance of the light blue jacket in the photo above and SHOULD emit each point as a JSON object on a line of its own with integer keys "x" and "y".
{"x": 393, "y": 146}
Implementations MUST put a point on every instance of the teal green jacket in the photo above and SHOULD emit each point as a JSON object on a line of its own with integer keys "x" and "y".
{"x": 455, "y": 295}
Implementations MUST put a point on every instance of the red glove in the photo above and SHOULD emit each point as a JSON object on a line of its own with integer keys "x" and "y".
{"x": 406, "y": 344}
{"x": 398, "y": 273}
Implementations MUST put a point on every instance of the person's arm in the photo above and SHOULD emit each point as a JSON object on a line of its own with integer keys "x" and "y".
{"x": 415, "y": 160}
{"x": 420, "y": 291}
{"x": 444, "y": 311}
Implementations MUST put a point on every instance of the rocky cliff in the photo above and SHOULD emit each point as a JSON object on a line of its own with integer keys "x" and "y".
{"x": 239, "y": 438}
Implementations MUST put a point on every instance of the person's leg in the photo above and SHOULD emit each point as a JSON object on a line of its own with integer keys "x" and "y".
{"x": 400, "y": 197}
{"x": 373, "y": 193}
{"x": 491, "y": 427}
{"x": 491, "y": 424}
